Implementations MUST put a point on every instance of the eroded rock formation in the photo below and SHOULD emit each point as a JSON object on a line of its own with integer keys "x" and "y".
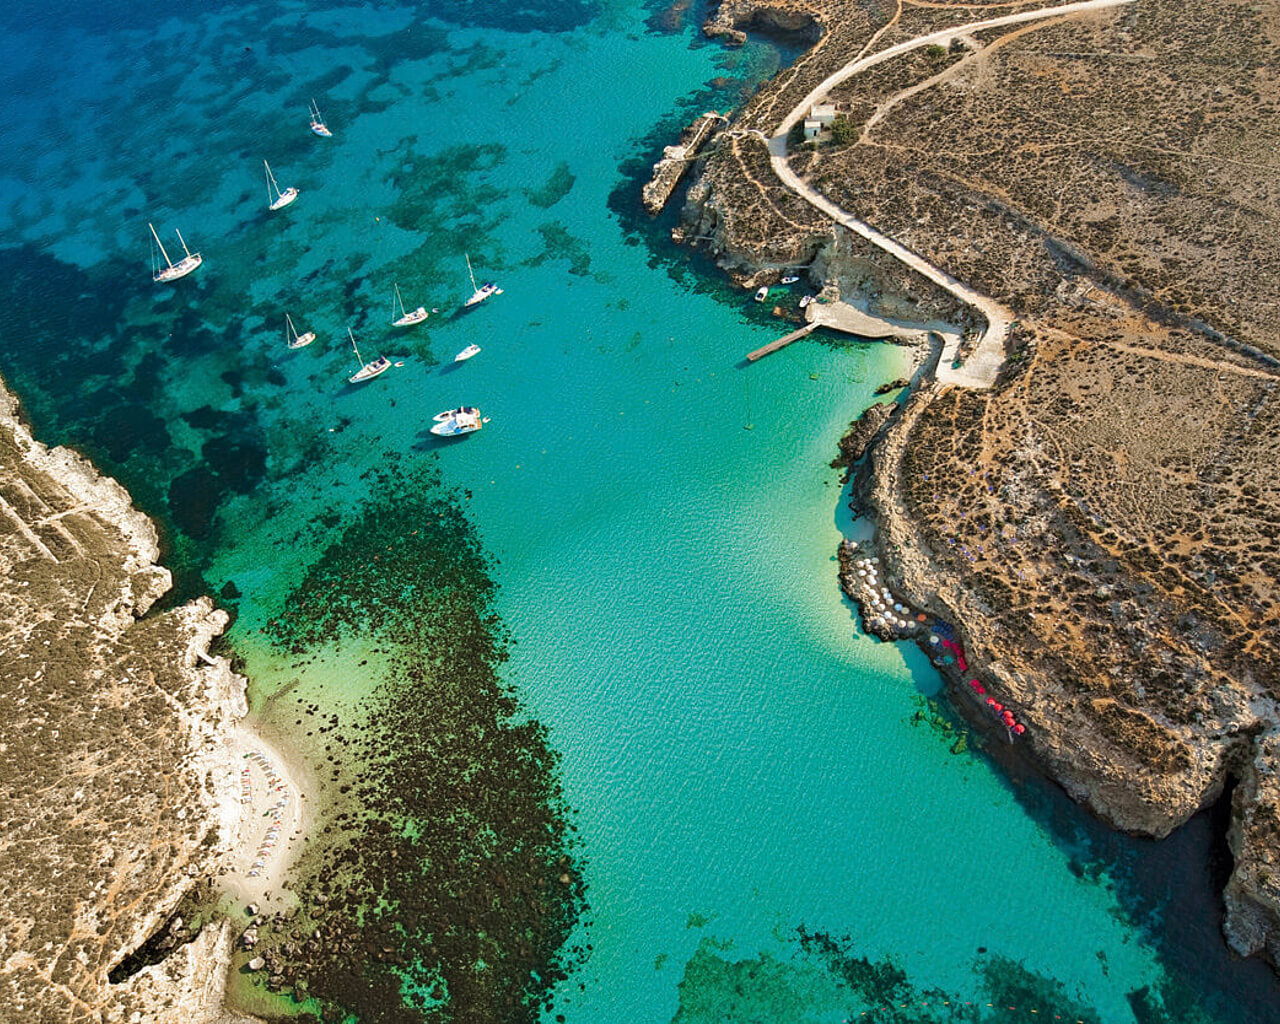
{"x": 116, "y": 767}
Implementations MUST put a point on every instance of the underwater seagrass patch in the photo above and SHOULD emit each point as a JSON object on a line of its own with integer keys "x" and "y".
{"x": 454, "y": 896}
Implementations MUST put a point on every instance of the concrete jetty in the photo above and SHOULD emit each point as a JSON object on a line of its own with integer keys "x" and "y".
{"x": 773, "y": 346}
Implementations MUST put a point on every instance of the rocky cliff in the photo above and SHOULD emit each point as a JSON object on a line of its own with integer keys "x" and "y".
{"x": 116, "y": 771}
{"x": 1101, "y": 528}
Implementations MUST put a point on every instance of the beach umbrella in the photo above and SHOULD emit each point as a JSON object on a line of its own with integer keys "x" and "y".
{"x": 1019, "y": 728}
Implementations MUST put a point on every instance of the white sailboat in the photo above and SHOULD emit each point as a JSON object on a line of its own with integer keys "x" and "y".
{"x": 277, "y": 200}
{"x": 481, "y": 293}
{"x": 455, "y": 422}
{"x": 291, "y": 336}
{"x": 172, "y": 271}
{"x": 317, "y": 122}
{"x": 368, "y": 370}
{"x": 406, "y": 319}
{"x": 467, "y": 353}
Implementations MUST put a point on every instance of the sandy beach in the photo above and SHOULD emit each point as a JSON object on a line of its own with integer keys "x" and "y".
{"x": 274, "y": 816}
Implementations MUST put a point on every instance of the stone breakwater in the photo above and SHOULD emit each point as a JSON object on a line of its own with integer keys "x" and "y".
{"x": 676, "y": 159}
{"x": 117, "y": 766}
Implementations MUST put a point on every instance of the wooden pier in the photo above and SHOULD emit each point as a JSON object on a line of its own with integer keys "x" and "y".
{"x": 773, "y": 346}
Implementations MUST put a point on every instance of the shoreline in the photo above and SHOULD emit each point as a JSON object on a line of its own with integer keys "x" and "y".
{"x": 1137, "y": 715}
{"x": 149, "y": 732}
{"x": 273, "y": 774}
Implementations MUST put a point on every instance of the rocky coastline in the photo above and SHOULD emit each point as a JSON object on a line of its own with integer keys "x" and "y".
{"x": 120, "y": 759}
{"x": 1107, "y": 770}
{"x": 1144, "y": 690}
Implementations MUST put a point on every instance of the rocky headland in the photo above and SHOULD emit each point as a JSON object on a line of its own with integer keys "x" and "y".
{"x": 1099, "y": 532}
{"x": 119, "y": 766}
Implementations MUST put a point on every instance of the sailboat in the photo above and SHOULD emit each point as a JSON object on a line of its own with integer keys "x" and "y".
{"x": 291, "y": 336}
{"x": 369, "y": 370}
{"x": 281, "y": 199}
{"x": 483, "y": 292}
{"x": 406, "y": 319}
{"x": 467, "y": 353}
{"x": 317, "y": 122}
{"x": 172, "y": 271}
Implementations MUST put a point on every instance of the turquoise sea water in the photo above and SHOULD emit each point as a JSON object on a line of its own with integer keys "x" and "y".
{"x": 746, "y": 769}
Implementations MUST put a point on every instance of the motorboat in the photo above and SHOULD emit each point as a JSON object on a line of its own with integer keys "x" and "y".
{"x": 762, "y": 293}
{"x": 467, "y": 353}
{"x": 456, "y": 422}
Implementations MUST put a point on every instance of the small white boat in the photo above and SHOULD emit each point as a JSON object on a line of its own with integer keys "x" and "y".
{"x": 805, "y": 301}
{"x": 369, "y": 370}
{"x": 406, "y": 319}
{"x": 291, "y": 336}
{"x": 467, "y": 353}
{"x": 789, "y": 279}
{"x": 479, "y": 294}
{"x": 277, "y": 200}
{"x": 317, "y": 122}
{"x": 172, "y": 271}
{"x": 455, "y": 422}
{"x": 762, "y": 293}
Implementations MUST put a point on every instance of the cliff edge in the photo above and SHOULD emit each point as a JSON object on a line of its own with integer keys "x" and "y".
{"x": 1100, "y": 528}
{"x": 116, "y": 766}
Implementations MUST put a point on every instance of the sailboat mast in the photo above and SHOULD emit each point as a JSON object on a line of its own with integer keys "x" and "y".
{"x": 395, "y": 300}
{"x": 290, "y": 332}
{"x": 359, "y": 358}
{"x": 184, "y": 244}
{"x": 470, "y": 272}
{"x": 160, "y": 243}
{"x": 270, "y": 182}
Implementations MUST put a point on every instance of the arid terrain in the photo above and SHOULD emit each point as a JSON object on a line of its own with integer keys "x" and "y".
{"x": 116, "y": 764}
{"x": 1103, "y": 525}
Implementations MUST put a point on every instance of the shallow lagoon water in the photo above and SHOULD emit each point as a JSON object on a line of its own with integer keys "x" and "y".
{"x": 744, "y": 766}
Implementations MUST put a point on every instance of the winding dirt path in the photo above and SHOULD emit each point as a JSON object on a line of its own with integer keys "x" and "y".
{"x": 982, "y": 366}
